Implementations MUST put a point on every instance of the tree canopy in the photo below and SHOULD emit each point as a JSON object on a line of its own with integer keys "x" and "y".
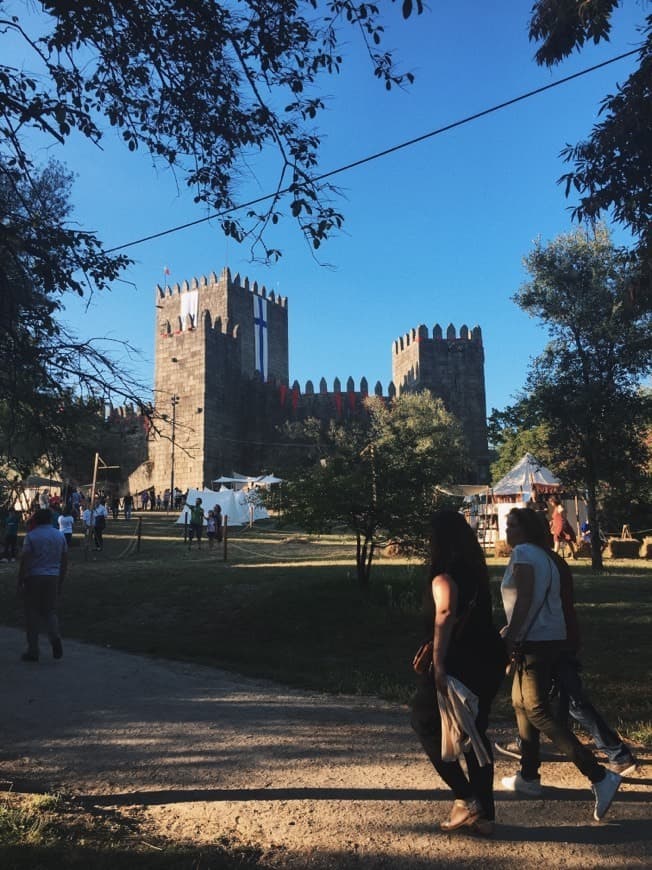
{"x": 612, "y": 168}
{"x": 585, "y": 386}
{"x": 201, "y": 85}
{"x": 378, "y": 479}
{"x": 44, "y": 368}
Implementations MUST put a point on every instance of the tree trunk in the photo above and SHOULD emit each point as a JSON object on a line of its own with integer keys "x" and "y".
{"x": 592, "y": 508}
{"x": 363, "y": 558}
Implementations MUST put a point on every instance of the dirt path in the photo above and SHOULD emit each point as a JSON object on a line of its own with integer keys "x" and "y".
{"x": 314, "y": 780}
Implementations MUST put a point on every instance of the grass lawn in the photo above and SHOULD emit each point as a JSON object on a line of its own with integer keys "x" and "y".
{"x": 53, "y": 832}
{"x": 286, "y": 606}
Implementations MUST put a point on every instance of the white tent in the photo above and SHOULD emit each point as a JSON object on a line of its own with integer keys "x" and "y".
{"x": 235, "y": 506}
{"x": 268, "y": 480}
{"x": 251, "y": 506}
{"x": 524, "y": 478}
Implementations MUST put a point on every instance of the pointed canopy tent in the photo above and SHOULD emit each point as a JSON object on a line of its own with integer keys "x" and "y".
{"x": 524, "y": 480}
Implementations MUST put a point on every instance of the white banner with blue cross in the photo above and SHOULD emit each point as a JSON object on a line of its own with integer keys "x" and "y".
{"x": 260, "y": 335}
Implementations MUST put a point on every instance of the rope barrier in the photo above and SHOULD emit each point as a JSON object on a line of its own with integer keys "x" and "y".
{"x": 266, "y": 555}
{"x": 633, "y": 534}
{"x": 131, "y": 545}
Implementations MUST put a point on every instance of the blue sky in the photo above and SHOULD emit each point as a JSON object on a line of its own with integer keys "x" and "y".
{"x": 433, "y": 233}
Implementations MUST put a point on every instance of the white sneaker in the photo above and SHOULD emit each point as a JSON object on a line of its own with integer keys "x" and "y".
{"x": 604, "y": 792}
{"x": 530, "y": 787}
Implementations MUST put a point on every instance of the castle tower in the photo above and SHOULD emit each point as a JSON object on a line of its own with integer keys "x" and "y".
{"x": 451, "y": 368}
{"x": 212, "y": 335}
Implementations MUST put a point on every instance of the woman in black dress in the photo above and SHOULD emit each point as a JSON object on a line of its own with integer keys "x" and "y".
{"x": 466, "y": 645}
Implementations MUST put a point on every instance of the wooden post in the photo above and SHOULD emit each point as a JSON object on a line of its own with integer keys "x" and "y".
{"x": 139, "y": 529}
{"x": 91, "y": 505}
{"x": 226, "y": 535}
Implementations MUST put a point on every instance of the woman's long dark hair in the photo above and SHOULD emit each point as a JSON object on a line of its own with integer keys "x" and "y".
{"x": 455, "y": 550}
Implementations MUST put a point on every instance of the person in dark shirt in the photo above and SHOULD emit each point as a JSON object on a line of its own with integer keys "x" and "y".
{"x": 466, "y": 645}
{"x": 11, "y": 536}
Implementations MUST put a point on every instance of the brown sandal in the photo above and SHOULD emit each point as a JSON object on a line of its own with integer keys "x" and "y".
{"x": 463, "y": 814}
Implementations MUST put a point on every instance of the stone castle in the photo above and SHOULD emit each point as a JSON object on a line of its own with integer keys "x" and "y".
{"x": 222, "y": 383}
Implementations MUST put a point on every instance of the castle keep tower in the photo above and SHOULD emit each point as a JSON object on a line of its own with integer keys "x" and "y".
{"x": 212, "y": 335}
{"x": 451, "y": 368}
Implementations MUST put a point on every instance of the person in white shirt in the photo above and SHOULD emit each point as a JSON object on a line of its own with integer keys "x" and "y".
{"x": 535, "y": 635}
{"x": 66, "y": 525}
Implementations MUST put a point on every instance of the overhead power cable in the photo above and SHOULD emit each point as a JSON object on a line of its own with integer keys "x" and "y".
{"x": 394, "y": 148}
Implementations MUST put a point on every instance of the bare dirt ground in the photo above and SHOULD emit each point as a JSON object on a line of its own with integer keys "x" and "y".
{"x": 313, "y": 780}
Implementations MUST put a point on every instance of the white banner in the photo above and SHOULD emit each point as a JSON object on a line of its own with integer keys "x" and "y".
{"x": 189, "y": 306}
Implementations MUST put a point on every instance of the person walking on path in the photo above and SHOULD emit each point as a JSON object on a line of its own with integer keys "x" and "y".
{"x": 561, "y": 530}
{"x": 196, "y": 523}
{"x": 66, "y": 524}
{"x": 536, "y": 636}
{"x": 12, "y": 522}
{"x": 572, "y": 697}
{"x": 465, "y": 645}
{"x": 128, "y": 505}
{"x": 43, "y": 565}
{"x": 101, "y": 515}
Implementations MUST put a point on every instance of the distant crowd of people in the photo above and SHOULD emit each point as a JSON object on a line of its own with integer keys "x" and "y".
{"x": 73, "y": 507}
{"x": 162, "y": 501}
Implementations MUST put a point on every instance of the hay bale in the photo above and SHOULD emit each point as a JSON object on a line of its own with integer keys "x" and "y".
{"x": 584, "y": 549}
{"x": 393, "y": 550}
{"x": 646, "y": 548}
{"x": 623, "y": 548}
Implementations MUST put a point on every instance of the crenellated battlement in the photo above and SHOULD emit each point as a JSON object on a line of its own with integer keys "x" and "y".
{"x": 230, "y": 283}
{"x": 362, "y": 389}
{"x": 126, "y": 412}
{"x": 421, "y": 334}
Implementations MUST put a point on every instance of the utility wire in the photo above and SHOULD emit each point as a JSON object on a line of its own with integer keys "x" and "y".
{"x": 317, "y": 178}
